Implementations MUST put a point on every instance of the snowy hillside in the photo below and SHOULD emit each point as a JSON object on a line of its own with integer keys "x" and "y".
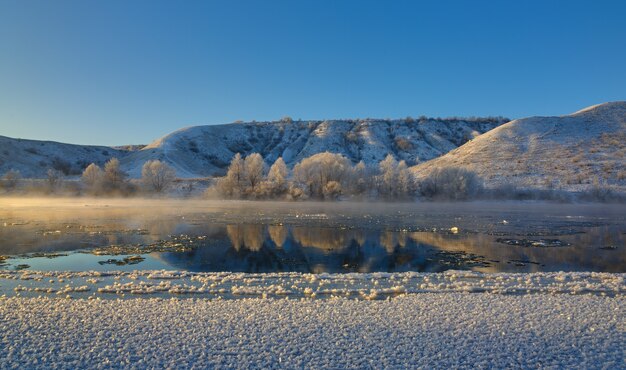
{"x": 33, "y": 158}
{"x": 207, "y": 150}
{"x": 569, "y": 152}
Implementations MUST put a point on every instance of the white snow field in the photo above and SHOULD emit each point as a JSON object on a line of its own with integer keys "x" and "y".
{"x": 430, "y": 330}
{"x": 457, "y": 319}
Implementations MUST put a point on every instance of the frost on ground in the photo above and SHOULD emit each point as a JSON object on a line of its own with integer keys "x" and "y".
{"x": 370, "y": 286}
{"x": 426, "y": 330}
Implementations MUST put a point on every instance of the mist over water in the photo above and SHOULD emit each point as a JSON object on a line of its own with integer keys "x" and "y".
{"x": 198, "y": 235}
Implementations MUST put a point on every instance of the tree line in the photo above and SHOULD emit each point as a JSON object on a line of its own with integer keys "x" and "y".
{"x": 156, "y": 177}
{"x": 322, "y": 176}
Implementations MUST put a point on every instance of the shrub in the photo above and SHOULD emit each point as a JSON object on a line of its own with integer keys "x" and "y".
{"x": 53, "y": 180}
{"x": 157, "y": 176}
{"x": 92, "y": 178}
{"x": 451, "y": 183}
{"x": 11, "y": 179}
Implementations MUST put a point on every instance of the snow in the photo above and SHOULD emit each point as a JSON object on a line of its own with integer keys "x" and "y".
{"x": 566, "y": 152}
{"x": 33, "y": 158}
{"x": 177, "y": 319}
{"x": 459, "y": 330}
{"x": 199, "y": 151}
{"x": 363, "y": 286}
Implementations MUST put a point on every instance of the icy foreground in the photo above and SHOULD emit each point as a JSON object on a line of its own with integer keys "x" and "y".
{"x": 366, "y": 286}
{"x": 424, "y": 330}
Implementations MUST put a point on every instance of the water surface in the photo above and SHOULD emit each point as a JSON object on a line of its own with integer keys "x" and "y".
{"x": 213, "y": 236}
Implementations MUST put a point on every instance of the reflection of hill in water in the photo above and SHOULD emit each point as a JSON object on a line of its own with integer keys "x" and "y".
{"x": 584, "y": 253}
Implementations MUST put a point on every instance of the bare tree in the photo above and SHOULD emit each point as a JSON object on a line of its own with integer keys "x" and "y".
{"x": 157, "y": 176}
{"x": 53, "y": 179}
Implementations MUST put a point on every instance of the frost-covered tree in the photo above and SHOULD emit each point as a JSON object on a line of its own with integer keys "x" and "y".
{"x": 451, "y": 183}
{"x": 114, "y": 177}
{"x": 405, "y": 185}
{"x": 11, "y": 179}
{"x": 277, "y": 177}
{"x": 53, "y": 179}
{"x": 395, "y": 179}
{"x": 361, "y": 181}
{"x": 254, "y": 170}
{"x": 332, "y": 190}
{"x": 157, "y": 176}
{"x": 231, "y": 185}
{"x": 388, "y": 176}
{"x": 318, "y": 170}
{"x": 92, "y": 177}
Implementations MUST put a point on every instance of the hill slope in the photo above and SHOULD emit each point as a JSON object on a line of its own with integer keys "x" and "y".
{"x": 33, "y": 158}
{"x": 207, "y": 150}
{"x": 569, "y": 152}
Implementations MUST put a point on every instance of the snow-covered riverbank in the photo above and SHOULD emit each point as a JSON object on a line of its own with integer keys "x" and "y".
{"x": 367, "y": 286}
{"x": 423, "y": 330}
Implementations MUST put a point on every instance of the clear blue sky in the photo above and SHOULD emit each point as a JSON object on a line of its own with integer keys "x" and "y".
{"x": 118, "y": 72}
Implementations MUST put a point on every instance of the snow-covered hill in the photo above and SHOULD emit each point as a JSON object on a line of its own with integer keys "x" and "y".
{"x": 569, "y": 152}
{"x": 33, "y": 158}
{"x": 207, "y": 150}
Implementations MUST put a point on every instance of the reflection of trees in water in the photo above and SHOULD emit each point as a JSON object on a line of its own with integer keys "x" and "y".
{"x": 278, "y": 234}
{"x": 392, "y": 239}
{"x": 320, "y": 237}
{"x": 248, "y": 236}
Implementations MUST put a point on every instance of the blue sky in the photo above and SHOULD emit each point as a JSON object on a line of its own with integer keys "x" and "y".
{"x": 122, "y": 72}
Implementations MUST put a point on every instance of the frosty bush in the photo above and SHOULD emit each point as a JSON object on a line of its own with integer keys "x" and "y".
{"x": 254, "y": 170}
{"x": 395, "y": 180}
{"x": 332, "y": 190}
{"x": 10, "y": 180}
{"x": 316, "y": 171}
{"x": 157, "y": 176}
{"x": 53, "y": 180}
{"x": 92, "y": 178}
{"x": 276, "y": 184}
{"x": 451, "y": 183}
{"x": 114, "y": 178}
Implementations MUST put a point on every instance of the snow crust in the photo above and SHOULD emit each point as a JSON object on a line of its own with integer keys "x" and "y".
{"x": 456, "y": 330}
{"x": 368, "y": 286}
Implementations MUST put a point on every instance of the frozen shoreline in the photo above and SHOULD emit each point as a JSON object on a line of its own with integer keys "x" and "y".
{"x": 422, "y": 330}
{"x": 365, "y": 286}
